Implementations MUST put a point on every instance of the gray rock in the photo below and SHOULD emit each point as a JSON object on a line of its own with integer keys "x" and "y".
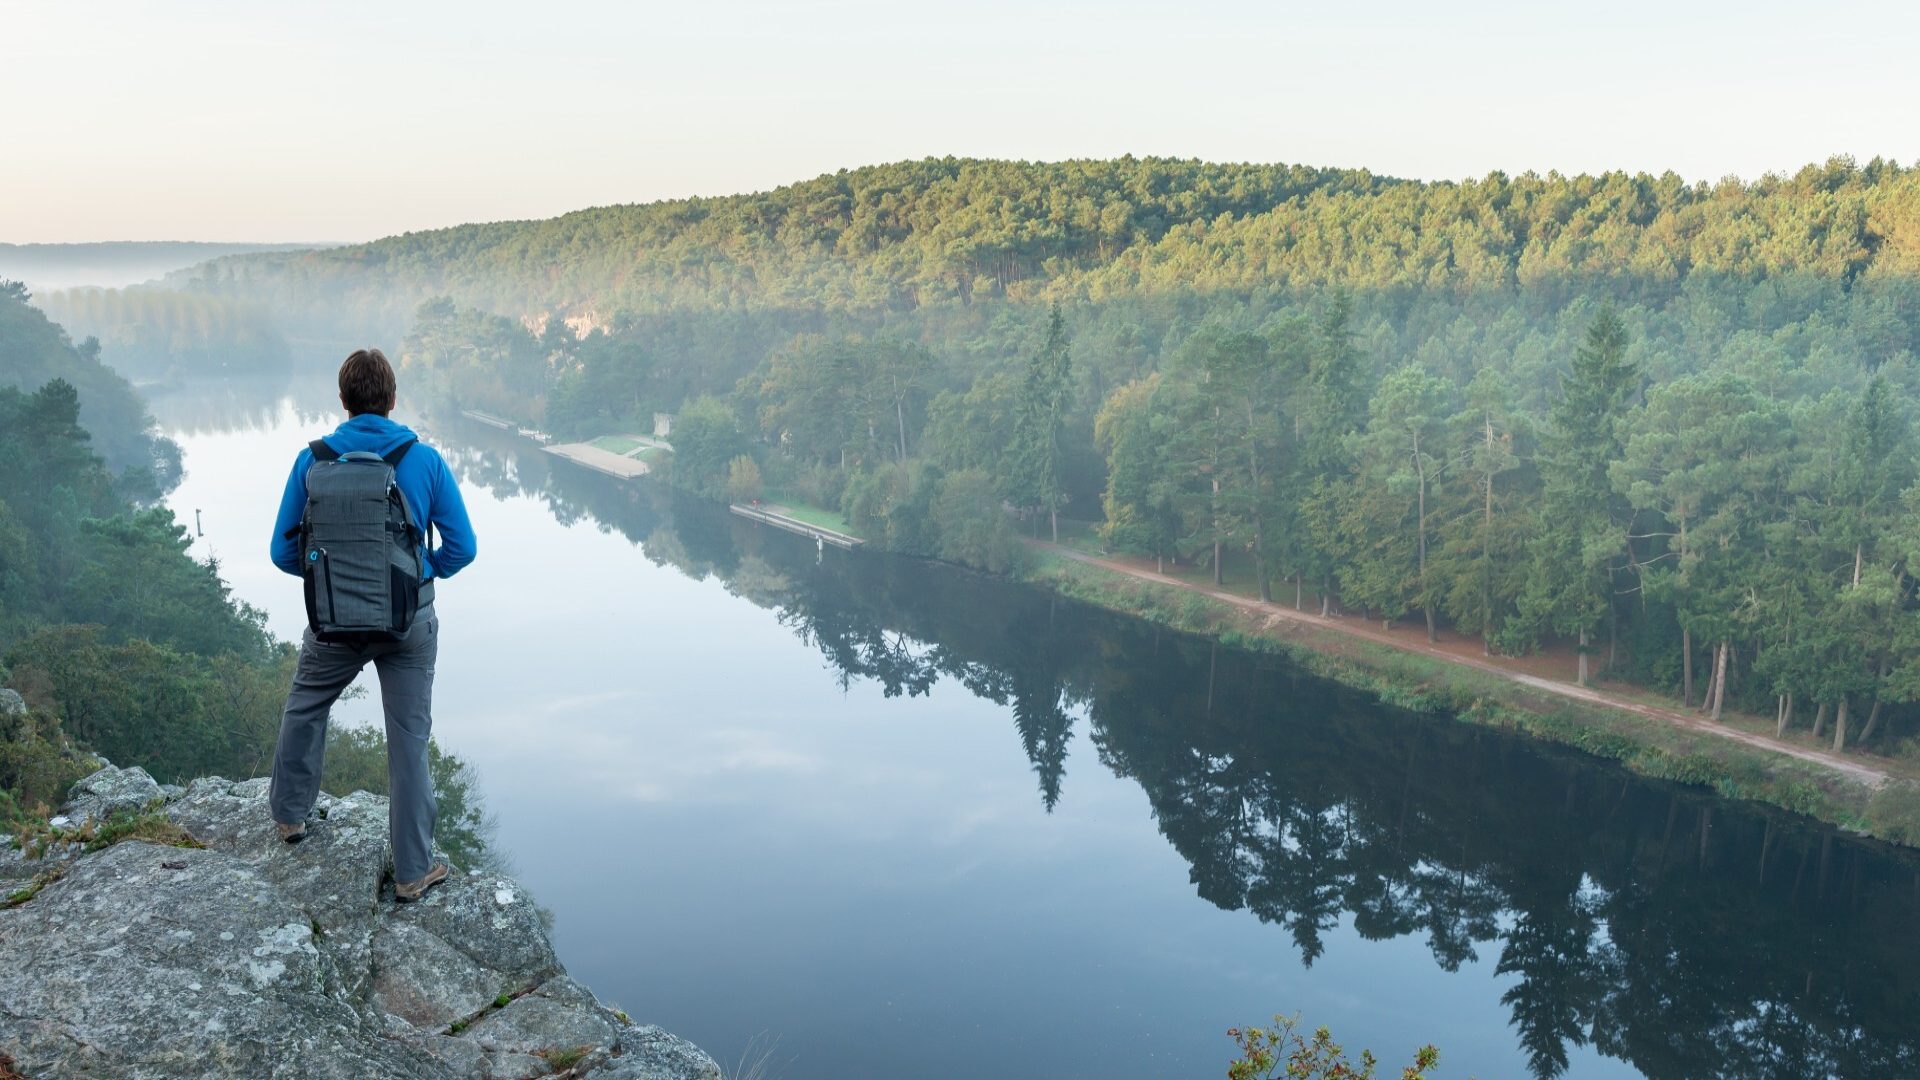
{"x": 12, "y": 705}
{"x": 15, "y": 869}
{"x": 255, "y": 958}
{"x": 493, "y": 921}
{"x": 336, "y": 870}
{"x": 110, "y": 791}
{"x": 563, "y": 989}
{"x": 517, "y": 1067}
{"x": 532, "y": 1024}
{"x": 19, "y": 867}
{"x": 645, "y": 1052}
{"x": 463, "y": 1057}
{"x": 425, "y": 981}
{"x": 155, "y": 971}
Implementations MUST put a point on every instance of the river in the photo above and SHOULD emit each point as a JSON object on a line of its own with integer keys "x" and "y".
{"x": 864, "y": 816}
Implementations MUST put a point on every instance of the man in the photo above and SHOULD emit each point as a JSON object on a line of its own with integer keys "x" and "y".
{"x": 405, "y": 666}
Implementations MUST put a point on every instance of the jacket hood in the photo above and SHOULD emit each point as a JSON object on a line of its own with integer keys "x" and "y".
{"x": 370, "y": 432}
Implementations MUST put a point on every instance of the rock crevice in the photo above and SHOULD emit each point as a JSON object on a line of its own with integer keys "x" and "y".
{"x": 247, "y": 957}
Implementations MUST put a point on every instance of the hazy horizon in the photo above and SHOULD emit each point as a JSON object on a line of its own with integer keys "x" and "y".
{"x": 248, "y": 124}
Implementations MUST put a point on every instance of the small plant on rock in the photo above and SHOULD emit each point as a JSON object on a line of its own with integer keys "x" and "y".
{"x": 565, "y": 1058}
{"x": 1280, "y": 1051}
{"x": 27, "y": 892}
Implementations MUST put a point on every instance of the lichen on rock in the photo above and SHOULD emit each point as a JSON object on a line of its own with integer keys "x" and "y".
{"x": 253, "y": 958}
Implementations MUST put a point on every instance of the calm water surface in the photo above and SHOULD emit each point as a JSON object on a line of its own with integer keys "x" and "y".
{"x": 896, "y": 819}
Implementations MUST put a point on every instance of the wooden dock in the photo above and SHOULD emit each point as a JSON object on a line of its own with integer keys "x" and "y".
{"x": 773, "y": 517}
{"x": 603, "y": 461}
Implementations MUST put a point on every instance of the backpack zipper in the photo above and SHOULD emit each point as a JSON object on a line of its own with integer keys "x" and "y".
{"x": 333, "y": 614}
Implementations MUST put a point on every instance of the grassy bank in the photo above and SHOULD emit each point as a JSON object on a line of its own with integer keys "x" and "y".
{"x": 1645, "y": 745}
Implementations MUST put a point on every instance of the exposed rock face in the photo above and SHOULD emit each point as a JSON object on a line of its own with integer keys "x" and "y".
{"x": 107, "y": 792}
{"x": 254, "y": 958}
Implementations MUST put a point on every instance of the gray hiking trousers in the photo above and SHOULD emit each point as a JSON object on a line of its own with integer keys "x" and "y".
{"x": 406, "y": 694}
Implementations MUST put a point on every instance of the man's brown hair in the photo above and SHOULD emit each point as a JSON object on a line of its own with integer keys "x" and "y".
{"x": 366, "y": 383}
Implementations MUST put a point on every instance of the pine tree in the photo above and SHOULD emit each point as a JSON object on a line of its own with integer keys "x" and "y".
{"x": 1046, "y": 397}
{"x": 1582, "y": 540}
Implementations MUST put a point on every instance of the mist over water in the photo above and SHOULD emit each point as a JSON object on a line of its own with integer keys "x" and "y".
{"x": 908, "y": 820}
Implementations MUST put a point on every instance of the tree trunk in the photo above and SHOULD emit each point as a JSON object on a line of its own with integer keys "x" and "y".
{"x": 1421, "y": 466}
{"x": 1260, "y": 569}
{"x": 1613, "y": 629}
{"x": 1486, "y": 554}
{"x": 1713, "y": 679}
{"x": 1213, "y": 519}
{"x": 1053, "y": 517}
{"x": 1873, "y": 720}
{"x": 1582, "y": 677}
{"x": 1820, "y": 720}
{"x": 1720, "y": 681}
{"x": 1686, "y": 666}
{"x": 1325, "y": 602}
{"x": 1296, "y": 591}
{"x": 900, "y": 415}
{"x": 1873, "y": 714}
{"x": 1840, "y": 725}
{"x": 1786, "y": 716}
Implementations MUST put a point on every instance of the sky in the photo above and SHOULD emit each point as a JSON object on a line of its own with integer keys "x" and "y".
{"x": 251, "y": 121}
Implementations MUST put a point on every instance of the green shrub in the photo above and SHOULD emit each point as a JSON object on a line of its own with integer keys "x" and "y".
{"x": 1268, "y": 1053}
{"x": 1894, "y": 812}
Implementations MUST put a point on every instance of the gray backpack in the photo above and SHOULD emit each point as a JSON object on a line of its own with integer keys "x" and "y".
{"x": 359, "y": 547}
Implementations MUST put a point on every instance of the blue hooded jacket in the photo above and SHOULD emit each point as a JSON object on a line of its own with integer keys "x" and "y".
{"x": 423, "y": 478}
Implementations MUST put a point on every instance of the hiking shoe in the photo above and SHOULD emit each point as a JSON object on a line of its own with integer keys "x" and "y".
{"x": 406, "y": 892}
{"x": 292, "y": 834}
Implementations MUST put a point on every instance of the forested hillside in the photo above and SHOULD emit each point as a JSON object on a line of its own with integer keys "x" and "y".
{"x": 1668, "y": 423}
{"x": 34, "y": 351}
{"x": 152, "y": 333}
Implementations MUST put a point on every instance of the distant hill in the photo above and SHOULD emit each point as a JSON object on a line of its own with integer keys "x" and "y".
{"x": 951, "y": 232}
{"x": 883, "y": 237}
{"x": 113, "y": 264}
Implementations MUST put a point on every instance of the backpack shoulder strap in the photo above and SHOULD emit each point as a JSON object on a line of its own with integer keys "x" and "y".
{"x": 323, "y": 452}
{"x": 394, "y": 456}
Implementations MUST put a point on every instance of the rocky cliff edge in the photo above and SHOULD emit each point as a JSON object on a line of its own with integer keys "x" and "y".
{"x": 248, "y": 957}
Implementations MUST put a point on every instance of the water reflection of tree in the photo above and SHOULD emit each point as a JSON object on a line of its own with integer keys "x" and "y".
{"x": 1688, "y": 937}
{"x": 241, "y": 403}
{"x": 1617, "y": 926}
{"x": 1628, "y": 915}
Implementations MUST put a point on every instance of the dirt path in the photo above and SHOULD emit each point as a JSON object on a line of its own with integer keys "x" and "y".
{"x": 1852, "y": 769}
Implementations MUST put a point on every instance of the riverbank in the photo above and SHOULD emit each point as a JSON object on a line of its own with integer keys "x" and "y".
{"x": 1738, "y": 757}
{"x": 1874, "y": 798}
